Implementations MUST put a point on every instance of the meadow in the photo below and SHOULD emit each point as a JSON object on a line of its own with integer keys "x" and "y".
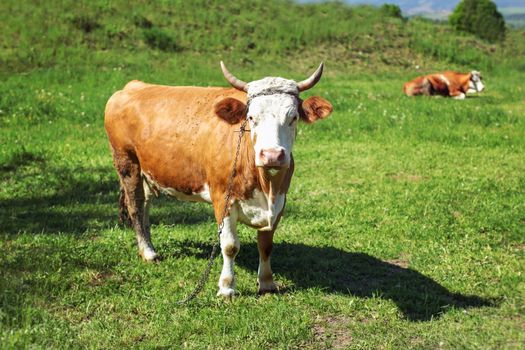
{"x": 405, "y": 221}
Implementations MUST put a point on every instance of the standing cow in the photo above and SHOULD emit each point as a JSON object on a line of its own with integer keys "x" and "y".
{"x": 453, "y": 84}
{"x": 182, "y": 141}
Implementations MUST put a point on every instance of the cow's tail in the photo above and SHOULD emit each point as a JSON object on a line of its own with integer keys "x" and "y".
{"x": 123, "y": 214}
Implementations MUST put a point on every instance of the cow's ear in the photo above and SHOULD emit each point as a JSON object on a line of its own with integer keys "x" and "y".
{"x": 230, "y": 110}
{"x": 314, "y": 108}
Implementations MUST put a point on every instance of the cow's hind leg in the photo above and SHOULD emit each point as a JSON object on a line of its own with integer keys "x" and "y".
{"x": 129, "y": 172}
{"x": 264, "y": 274}
{"x": 426, "y": 87}
{"x": 148, "y": 196}
{"x": 123, "y": 215}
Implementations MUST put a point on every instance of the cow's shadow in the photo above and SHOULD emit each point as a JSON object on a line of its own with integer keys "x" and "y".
{"x": 64, "y": 200}
{"x": 334, "y": 270}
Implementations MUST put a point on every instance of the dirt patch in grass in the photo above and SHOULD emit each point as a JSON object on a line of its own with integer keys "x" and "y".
{"x": 402, "y": 261}
{"x": 99, "y": 278}
{"x": 331, "y": 332}
{"x": 398, "y": 262}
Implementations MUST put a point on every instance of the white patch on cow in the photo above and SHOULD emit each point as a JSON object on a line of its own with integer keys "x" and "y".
{"x": 471, "y": 88}
{"x": 272, "y": 116}
{"x": 148, "y": 196}
{"x": 146, "y": 249}
{"x": 205, "y": 194}
{"x": 146, "y": 252}
{"x": 444, "y": 79}
{"x": 202, "y": 196}
{"x": 461, "y": 96}
{"x": 480, "y": 86}
{"x": 286, "y": 86}
{"x": 229, "y": 242}
{"x": 260, "y": 211}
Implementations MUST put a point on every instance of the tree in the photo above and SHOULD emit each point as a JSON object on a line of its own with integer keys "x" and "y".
{"x": 390, "y": 10}
{"x": 479, "y": 17}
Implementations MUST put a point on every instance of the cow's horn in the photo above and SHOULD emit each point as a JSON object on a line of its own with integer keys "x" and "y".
{"x": 236, "y": 83}
{"x": 310, "y": 82}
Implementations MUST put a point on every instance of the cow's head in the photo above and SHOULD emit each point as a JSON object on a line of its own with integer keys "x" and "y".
{"x": 475, "y": 83}
{"x": 273, "y": 110}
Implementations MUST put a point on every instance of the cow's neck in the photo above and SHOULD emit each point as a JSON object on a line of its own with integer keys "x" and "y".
{"x": 464, "y": 82}
{"x": 261, "y": 192}
{"x": 262, "y": 195}
{"x": 271, "y": 182}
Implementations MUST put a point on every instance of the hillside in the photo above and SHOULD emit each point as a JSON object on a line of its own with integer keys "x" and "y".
{"x": 98, "y": 34}
{"x": 403, "y": 226}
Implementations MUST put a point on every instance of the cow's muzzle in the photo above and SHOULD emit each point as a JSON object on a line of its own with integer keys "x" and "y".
{"x": 273, "y": 157}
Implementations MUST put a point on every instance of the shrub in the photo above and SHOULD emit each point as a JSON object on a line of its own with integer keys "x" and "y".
{"x": 85, "y": 23}
{"x": 479, "y": 17}
{"x": 142, "y": 22}
{"x": 159, "y": 39}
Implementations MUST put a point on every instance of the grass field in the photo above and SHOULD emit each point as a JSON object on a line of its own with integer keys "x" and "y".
{"x": 405, "y": 222}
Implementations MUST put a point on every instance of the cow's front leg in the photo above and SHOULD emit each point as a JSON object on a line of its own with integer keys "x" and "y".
{"x": 230, "y": 246}
{"x": 457, "y": 95}
{"x": 264, "y": 274}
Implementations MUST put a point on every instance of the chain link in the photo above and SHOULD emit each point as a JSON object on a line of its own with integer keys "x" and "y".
{"x": 206, "y": 274}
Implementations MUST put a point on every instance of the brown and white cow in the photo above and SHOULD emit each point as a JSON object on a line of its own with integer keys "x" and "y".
{"x": 453, "y": 84}
{"x": 182, "y": 141}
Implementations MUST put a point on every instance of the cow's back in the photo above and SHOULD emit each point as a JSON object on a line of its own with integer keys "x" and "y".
{"x": 135, "y": 112}
{"x": 171, "y": 130}
{"x": 459, "y": 80}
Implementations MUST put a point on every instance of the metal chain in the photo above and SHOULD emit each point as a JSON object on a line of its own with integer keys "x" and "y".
{"x": 206, "y": 274}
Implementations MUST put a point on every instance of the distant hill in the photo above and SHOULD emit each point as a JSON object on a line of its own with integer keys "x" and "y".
{"x": 512, "y": 10}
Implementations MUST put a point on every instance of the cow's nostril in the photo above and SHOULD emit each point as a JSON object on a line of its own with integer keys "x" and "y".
{"x": 272, "y": 156}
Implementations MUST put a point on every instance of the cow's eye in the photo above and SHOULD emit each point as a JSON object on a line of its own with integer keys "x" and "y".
{"x": 250, "y": 119}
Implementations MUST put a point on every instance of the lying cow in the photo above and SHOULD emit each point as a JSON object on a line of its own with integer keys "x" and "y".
{"x": 453, "y": 84}
{"x": 182, "y": 141}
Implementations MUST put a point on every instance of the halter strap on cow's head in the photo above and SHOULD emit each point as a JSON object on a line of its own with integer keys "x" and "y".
{"x": 270, "y": 92}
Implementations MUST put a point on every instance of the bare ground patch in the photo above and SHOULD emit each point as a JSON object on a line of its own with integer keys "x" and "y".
{"x": 398, "y": 262}
{"x": 331, "y": 332}
{"x": 402, "y": 261}
{"x": 99, "y": 278}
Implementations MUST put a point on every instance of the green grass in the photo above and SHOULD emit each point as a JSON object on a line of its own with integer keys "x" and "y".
{"x": 404, "y": 226}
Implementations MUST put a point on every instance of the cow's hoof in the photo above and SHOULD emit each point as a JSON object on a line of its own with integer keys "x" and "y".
{"x": 149, "y": 255}
{"x": 268, "y": 287}
{"x": 226, "y": 293}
